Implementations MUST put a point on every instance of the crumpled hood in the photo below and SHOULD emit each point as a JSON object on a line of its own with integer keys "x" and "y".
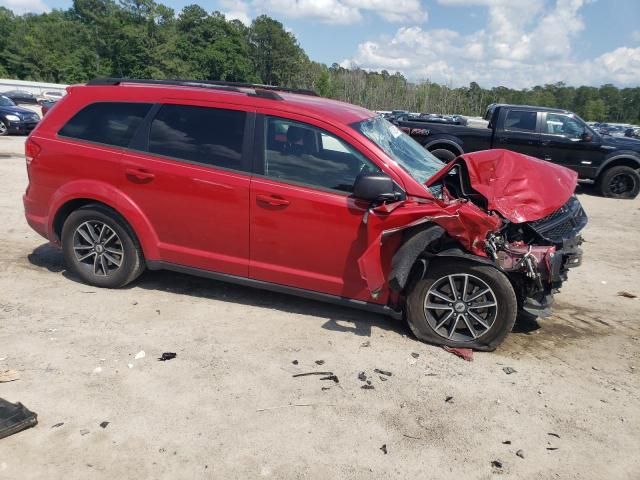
{"x": 519, "y": 187}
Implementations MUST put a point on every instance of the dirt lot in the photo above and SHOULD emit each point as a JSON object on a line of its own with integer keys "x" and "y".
{"x": 212, "y": 412}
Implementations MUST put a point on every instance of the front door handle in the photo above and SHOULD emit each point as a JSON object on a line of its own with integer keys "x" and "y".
{"x": 139, "y": 174}
{"x": 272, "y": 200}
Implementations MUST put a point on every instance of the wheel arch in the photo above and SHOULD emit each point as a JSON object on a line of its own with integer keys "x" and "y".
{"x": 626, "y": 159}
{"x": 446, "y": 143}
{"x": 75, "y": 195}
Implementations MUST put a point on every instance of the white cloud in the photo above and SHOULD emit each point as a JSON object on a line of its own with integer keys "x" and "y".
{"x": 345, "y": 12}
{"x": 25, "y": 6}
{"x": 523, "y": 44}
{"x": 236, "y": 10}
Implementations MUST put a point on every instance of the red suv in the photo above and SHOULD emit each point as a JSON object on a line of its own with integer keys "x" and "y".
{"x": 284, "y": 190}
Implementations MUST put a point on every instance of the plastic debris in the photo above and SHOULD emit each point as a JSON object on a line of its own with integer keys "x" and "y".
{"x": 496, "y": 464}
{"x": 382, "y": 378}
{"x": 464, "y": 353}
{"x": 57, "y": 425}
{"x": 553, "y": 434}
{"x": 520, "y": 453}
{"x": 449, "y": 399}
{"x": 167, "y": 356}
{"x": 382, "y": 372}
{"x": 362, "y": 376}
{"x": 627, "y": 295}
{"x": 9, "y": 376}
{"x": 140, "y": 355}
{"x": 104, "y": 424}
{"x": 508, "y": 370}
{"x": 311, "y": 373}
{"x": 331, "y": 377}
{"x": 84, "y": 432}
{"x": 367, "y": 387}
{"x": 384, "y": 449}
{"x": 319, "y": 362}
{"x": 15, "y": 417}
{"x": 415, "y": 355}
{"x": 295, "y": 362}
{"x": 507, "y": 442}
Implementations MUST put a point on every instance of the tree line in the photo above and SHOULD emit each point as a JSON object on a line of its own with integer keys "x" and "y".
{"x": 145, "y": 39}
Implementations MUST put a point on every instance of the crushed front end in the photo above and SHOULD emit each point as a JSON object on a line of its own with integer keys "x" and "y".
{"x": 537, "y": 255}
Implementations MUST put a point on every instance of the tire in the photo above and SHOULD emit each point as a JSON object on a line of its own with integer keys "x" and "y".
{"x": 94, "y": 239}
{"x": 619, "y": 182}
{"x": 4, "y": 130}
{"x": 499, "y": 319}
{"x": 444, "y": 154}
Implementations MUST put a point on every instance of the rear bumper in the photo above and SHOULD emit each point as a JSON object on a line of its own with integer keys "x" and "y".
{"x": 37, "y": 222}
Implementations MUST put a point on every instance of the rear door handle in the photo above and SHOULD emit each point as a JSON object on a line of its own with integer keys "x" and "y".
{"x": 139, "y": 174}
{"x": 272, "y": 200}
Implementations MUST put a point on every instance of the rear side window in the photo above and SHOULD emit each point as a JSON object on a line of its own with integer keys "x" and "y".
{"x": 109, "y": 123}
{"x": 199, "y": 134}
{"x": 520, "y": 120}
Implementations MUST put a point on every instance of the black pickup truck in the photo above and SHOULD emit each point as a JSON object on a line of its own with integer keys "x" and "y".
{"x": 554, "y": 135}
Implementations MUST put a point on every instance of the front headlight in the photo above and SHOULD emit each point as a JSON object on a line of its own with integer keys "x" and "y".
{"x": 13, "y": 118}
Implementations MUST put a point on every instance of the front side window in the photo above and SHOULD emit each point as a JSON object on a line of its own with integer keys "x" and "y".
{"x": 206, "y": 135}
{"x": 564, "y": 125}
{"x": 520, "y": 120}
{"x": 298, "y": 152}
{"x": 110, "y": 123}
{"x": 6, "y": 102}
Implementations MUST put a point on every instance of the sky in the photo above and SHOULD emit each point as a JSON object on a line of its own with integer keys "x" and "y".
{"x": 514, "y": 43}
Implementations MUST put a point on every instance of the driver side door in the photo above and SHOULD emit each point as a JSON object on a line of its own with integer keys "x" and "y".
{"x": 562, "y": 143}
{"x": 307, "y": 230}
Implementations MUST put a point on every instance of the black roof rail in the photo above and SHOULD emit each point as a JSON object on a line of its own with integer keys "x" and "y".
{"x": 264, "y": 91}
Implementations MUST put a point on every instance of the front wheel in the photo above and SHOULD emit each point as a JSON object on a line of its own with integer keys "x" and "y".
{"x": 460, "y": 303}
{"x": 444, "y": 154}
{"x": 619, "y": 182}
{"x": 4, "y": 130}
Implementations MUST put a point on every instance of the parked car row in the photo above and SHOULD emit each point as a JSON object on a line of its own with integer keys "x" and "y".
{"x": 15, "y": 119}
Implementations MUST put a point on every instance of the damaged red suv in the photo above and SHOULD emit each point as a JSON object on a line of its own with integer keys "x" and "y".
{"x": 287, "y": 191}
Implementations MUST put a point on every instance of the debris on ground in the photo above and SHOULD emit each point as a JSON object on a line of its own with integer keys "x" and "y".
{"x": 507, "y": 442}
{"x": 104, "y": 424}
{"x": 325, "y": 388}
{"x": 552, "y": 448}
{"x": 295, "y": 362}
{"x": 382, "y": 372}
{"x": 167, "y": 356}
{"x": 367, "y": 387}
{"x": 319, "y": 362}
{"x": 553, "y": 434}
{"x": 9, "y": 376}
{"x": 140, "y": 355}
{"x": 311, "y": 373}
{"x": 384, "y": 448}
{"x": 366, "y": 344}
{"x": 464, "y": 353}
{"x": 362, "y": 376}
{"x": 496, "y": 464}
{"x": 627, "y": 295}
{"x": 57, "y": 425}
{"x": 449, "y": 399}
{"x": 130, "y": 365}
{"x": 331, "y": 377}
{"x": 520, "y": 453}
{"x": 415, "y": 355}
{"x": 84, "y": 432}
{"x": 509, "y": 370}
{"x": 15, "y": 417}
{"x": 410, "y": 436}
{"x": 382, "y": 378}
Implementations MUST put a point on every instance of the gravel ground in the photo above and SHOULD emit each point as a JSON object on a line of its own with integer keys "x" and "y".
{"x": 228, "y": 406}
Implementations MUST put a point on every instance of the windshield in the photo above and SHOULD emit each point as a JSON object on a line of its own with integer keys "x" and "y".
{"x": 6, "y": 102}
{"x": 408, "y": 153}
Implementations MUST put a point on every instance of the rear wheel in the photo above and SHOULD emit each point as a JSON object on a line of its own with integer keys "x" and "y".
{"x": 460, "y": 303}
{"x": 619, "y": 182}
{"x": 444, "y": 154}
{"x": 4, "y": 130}
{"x": 100, "y": 247}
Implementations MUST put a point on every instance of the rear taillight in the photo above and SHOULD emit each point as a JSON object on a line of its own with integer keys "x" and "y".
{"x": 31, "y": 151}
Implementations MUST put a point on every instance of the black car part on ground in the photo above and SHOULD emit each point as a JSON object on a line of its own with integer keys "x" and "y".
{"x": 15, "y": 417}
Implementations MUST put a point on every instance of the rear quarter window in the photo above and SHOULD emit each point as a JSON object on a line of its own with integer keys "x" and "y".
{"x": 110, "y": 123}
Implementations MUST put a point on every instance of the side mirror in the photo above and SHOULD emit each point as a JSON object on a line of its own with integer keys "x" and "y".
{"x": 374, "y": 187}
{"x": 586, "y": 137}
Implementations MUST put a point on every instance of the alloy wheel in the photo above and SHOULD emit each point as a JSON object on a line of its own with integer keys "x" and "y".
{"x": 98, "y": 247}
{"x": 460, "y": 307}
{"x": 622, "y": 183}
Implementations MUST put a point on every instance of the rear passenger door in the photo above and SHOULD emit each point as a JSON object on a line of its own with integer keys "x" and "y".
{"x": 518, "y": 132}
{"x": 187, "y": 170}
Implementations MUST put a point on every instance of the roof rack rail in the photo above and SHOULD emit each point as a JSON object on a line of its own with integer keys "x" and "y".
{"x": 264, "y": 91}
